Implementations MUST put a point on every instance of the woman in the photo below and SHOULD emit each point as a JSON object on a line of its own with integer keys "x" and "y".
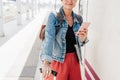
{"x": 58, "y": 51}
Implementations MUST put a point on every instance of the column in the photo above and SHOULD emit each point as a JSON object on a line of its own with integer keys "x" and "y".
{"x": 19, "y": 14}
{"x": 85, "y": 9}
{"x": 55, "y": 5}
{"x": 32, "y": 7}
{"x": 28, "y": 9}
{"x": 1, "y": 19}
{"x": 38, "y": 5}
{"x": 35, "y": 7}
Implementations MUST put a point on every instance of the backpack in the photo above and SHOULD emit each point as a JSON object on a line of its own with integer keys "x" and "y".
{"x": 42, "y": 30}
{"x": 59, "y": 18}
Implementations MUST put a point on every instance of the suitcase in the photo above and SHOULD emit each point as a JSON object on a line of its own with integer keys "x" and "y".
{"x": 54, "y": 73}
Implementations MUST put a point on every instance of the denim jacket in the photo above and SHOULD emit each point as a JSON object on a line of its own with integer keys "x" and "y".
{"x": 54, "y": 45}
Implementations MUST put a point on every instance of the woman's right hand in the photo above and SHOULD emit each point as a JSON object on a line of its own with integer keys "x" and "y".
{"x": 46, "y": 70}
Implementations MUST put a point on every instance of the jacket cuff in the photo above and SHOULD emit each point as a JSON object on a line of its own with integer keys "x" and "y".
{"x": 46, "y": 57}
{"x": 83, "y": 43}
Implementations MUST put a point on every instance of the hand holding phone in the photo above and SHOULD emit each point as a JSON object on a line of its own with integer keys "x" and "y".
{"x": 84, "y": 25}
{"x": 82, "y": 32}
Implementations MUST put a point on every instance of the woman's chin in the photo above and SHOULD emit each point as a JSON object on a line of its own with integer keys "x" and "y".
{"x": 69, "y": 7}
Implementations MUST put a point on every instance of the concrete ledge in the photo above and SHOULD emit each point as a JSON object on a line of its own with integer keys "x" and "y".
{"x": 14, "y": 53}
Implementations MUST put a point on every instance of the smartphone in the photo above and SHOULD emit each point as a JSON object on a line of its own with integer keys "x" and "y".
{"x": 84, "y": 25}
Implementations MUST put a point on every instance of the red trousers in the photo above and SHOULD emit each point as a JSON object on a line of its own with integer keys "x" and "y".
{"x": 68, "y": 70}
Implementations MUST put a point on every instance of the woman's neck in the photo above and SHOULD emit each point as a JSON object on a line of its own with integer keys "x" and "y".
{"x": 68, "y": 16}
{"x": 68, "y": 13}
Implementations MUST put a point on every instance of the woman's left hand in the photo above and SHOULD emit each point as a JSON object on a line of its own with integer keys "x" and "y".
{"x": 82, "y": 34}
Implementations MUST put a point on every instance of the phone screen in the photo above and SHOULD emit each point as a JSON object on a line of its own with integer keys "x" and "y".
{"x": 84, "y": 25}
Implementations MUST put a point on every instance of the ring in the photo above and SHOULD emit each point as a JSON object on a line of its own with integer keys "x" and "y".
{"x": 47, "y": 71}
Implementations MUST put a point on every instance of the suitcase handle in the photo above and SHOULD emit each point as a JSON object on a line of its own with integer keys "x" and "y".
{"x": 52, "y": 72}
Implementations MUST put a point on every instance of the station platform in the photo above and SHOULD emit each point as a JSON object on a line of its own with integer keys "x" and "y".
{"x": 19, "y": 49}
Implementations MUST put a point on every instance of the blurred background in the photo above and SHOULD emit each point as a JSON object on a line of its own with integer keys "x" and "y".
{"x": 20, "y": 23}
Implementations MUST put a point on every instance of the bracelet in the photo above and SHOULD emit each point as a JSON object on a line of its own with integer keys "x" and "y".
{"x": 46, "y": 62}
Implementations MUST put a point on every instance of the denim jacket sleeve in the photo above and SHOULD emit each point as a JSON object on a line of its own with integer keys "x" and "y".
{"x": 47, "y": 45}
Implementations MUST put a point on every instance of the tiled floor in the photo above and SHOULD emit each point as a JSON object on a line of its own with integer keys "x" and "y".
{"x": 31, "y": 66}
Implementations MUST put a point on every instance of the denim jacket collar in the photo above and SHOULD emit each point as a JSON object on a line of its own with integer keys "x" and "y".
{"x": 73, "y": 14}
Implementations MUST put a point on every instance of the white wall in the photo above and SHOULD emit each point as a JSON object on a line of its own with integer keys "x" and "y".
{"x": 103, "y": 49}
